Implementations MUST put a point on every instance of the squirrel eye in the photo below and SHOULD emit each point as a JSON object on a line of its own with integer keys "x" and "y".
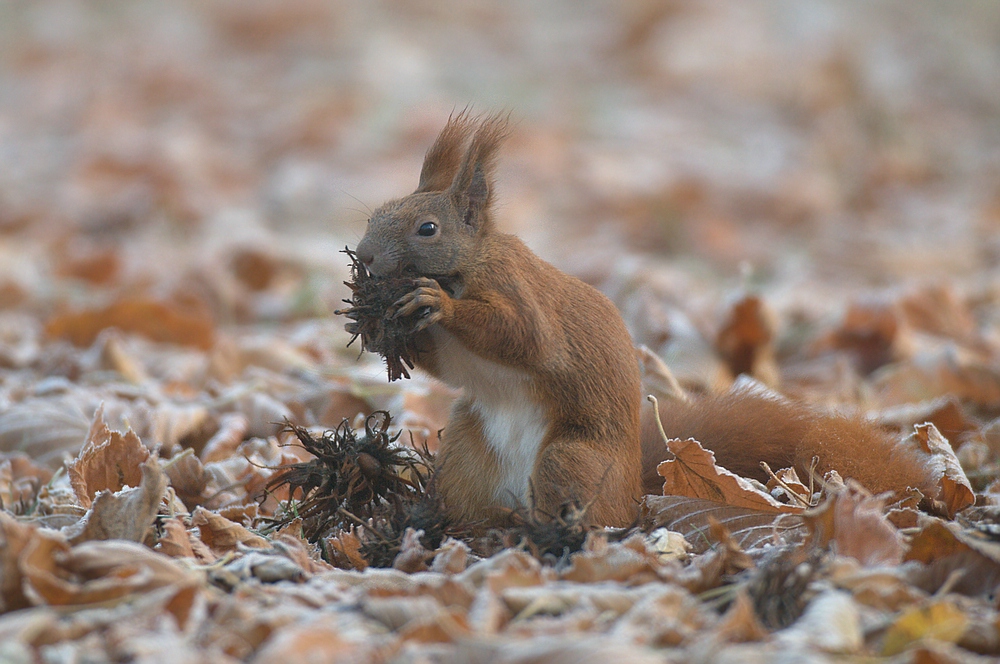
{"x": 427, "y": 229}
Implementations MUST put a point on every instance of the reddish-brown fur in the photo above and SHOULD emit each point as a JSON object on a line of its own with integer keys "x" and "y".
{"x": 551, "y": 388}
{"x": 550, "y": 409}
{"x": 745, "y": 427}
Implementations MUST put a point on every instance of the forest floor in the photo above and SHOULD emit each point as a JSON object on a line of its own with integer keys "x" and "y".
{"x": 803, "y": 193}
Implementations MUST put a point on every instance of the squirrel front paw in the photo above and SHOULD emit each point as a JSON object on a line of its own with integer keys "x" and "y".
{"x": 428, "y": 300}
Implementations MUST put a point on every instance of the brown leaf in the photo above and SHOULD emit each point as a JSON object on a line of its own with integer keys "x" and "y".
{"x": 946, "y": 549}
{"x": 226, "y": 440}
{"x": 872, "y": 330}
{"x": 629, "y": 562}
{"x": 222, "y": 535}
{"x": 321, "y": 639}
{"x": 14, "y": 537}
{"x": 254, "y": 268}
{"x": 856, "y": 523}
{"x": 155, "y": 320}
{"x": 940, "y": 621}
{"x": 451, "y": 557}
{"x": 99, "y": 265}
{"x": 693, "y": 473}
{"x": 724, "y": 540}
{"x": 175, "y": 541}
{"x": 948, "y": 371}
{"x": 96, "y": 571}
{"x": 188, "y": 477}
{"x": 127, "y": 514}
{"x": 108, "y": 461}
{"x": 44, "y": 581}
{"x": 46, "y": 429}
{"x": 345, "y": 549}
{"x": 954, "y": 489}
{"x": 412, "y": 556}
{"x": 790, "y": 481}
{"x": 945, "y": 413}
{"x": 739, "y": 624}
{"x": 746, "y": 340}
{"x": 691, "y": 517}
{"x": 20, "y": 479}
{"x": 937, "y": 309}
{"x": 302, "y": 553}
{"x": 447, "y": 626}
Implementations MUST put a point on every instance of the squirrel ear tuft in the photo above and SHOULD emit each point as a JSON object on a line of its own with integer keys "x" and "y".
{"x": 472, "y": 187}
{"x": 445, "y": 156}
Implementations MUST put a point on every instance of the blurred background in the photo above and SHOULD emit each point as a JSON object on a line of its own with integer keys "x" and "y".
{"x": 203, "y": 162}
{"x": 805, "y": 135}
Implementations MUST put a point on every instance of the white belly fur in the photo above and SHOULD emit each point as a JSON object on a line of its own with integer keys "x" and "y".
{"x": 513, "y": 423}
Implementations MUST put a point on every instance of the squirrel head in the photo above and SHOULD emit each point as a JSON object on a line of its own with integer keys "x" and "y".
{"x": 437, "y": 229}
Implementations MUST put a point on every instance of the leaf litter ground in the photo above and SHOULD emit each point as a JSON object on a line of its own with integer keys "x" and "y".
{"x": 175, "y": 471}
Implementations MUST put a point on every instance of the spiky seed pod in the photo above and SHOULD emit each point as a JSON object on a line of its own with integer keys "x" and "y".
{"x": 371, "y": 302}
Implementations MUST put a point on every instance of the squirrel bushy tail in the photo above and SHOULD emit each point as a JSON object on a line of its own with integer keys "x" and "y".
{"x": 748, "y": 425}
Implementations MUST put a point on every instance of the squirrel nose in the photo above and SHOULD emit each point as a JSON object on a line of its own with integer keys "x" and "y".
{"x": 366, "y": 257}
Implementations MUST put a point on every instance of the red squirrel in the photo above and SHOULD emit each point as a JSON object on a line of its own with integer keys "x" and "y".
{"x": 551, "y": 387}
{"x": 549, "y": 411}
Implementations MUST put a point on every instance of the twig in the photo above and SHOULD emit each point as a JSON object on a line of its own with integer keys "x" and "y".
{"x": 788, "y": 490}
{"x": 659, "y": 424}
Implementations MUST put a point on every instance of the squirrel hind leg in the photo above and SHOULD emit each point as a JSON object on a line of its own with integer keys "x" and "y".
{"x": 467, "y": 471}
{"x": 577, "y": 471}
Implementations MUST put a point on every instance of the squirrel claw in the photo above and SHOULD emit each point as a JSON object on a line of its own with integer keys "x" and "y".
{"x": 427, "y": 295}
{"x": 428, "y": 319}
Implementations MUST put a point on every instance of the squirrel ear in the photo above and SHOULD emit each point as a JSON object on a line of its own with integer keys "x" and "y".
{"x": 445, "y": 156}
{"x": 475, "y": 199}
{"x": 472, "y": 188}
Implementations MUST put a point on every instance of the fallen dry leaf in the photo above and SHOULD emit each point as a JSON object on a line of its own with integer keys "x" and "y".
{"x": 46, "y": 429}
{"x": 188, "y": 477}
{"x": 942, "y": 372}
{"x": 694, "y": 474}
{"x": 691, "y": 517}
{"x": 739, "y": 624}
{"x": 20, "y": 480}
{"x": 940, "y": 621}
{"x": 175, "y": 540}
{"x": 451, "y": 557}
{"x": 945, "y": 413}
{"x": 155, "y": 320}
{"x": 321, "y": 639}
{"x": 954, "y": 490}
{"x": 412, "y": 556}
{"x": 745, "y": 340}
{"x": 14, "y": 537}
{"x": 947, "y": 549}
{"x": 855, "y": 522}
{"x": 831, "y": 623}
{"x": 872, "y": 330}
{"x": 124, "y": 515}
{"x": 108, "y": 461}
{"x": 787, "y": 481}
{"x": 226, "y": 440}
{"x": 96, "y": 571}
{"x": 939, "y": 309}
{"x": 630, "y": 562}
{"x": 222, "y": 535}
